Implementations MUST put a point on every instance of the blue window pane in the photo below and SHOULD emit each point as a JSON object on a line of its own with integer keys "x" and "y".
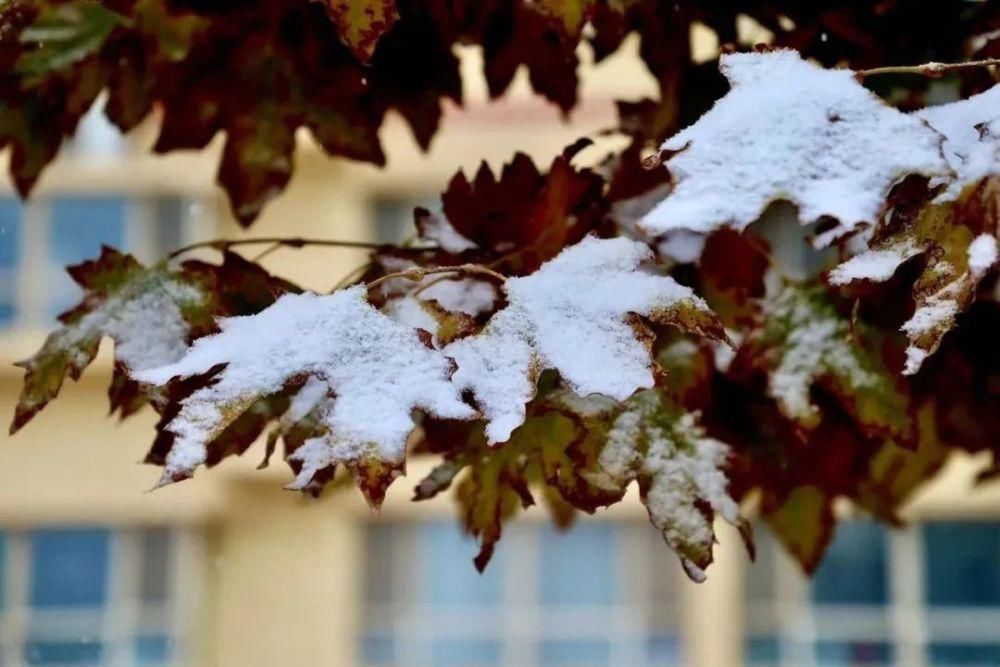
{"x": 80, "y": 225}
{"x": 853, "y": 653}
{"x": 763, "y": 651}
{"x": 78, "y": 228}
{"x": 589, "y": 653}
{"x": 62, "y": 653}
{"x": 10, "y": 252}
{"x": 664, "y": 651}
{"x": 447, "y": 576}
{"x": 378, "y": 650}
{"x": 69, "y": 567}
{"x": 152, "y": 650}
{"x": 466, "y": 653}
{"x": 853, "y": 570}
{"x": 578, "y": 567}
{"x": 10, "y": 233}
{"x": 942, "y": 655}
{"x": 962, "y": 564}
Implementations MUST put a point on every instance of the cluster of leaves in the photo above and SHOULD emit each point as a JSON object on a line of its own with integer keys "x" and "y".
{"x": 260, "y": 69}
{"x": 594, "y": 364}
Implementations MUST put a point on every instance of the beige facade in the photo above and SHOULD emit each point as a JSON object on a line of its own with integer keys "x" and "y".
{"x": 275, "y": 579}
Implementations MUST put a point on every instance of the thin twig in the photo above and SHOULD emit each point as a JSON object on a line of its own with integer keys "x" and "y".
{"x": 286, "y": 241}
{"x": 927, "y": 69}
{"x": 266, "y": 251}
{"x": 419, "y": 273}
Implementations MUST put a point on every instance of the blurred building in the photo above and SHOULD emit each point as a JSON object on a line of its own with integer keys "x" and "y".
{"x": 227, "y": 569}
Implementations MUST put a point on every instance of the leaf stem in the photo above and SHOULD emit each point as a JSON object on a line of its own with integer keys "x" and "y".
{"x": 223, "y": 245}
{"x": 419, "y": 273}
{"x": 927, "y": 69}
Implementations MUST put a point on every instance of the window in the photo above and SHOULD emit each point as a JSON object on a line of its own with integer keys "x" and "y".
{"x": 925, "y": 596}
{"x": 38, "y": 240}
{"x": 600, "y": 595}
{"x": 85, "y": 596}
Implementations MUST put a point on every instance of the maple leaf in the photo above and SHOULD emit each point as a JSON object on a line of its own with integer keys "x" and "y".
{"x": 558, "y": 442}
{"x": 362, "y": 22}
{"x": 804, "y": 342}
{"x": 524, "y": 216}
{"x": 958, "y": 240}
{"x": 791, "y": 130}
{"x": 65, "y": 34}
{"x": 377, "y": 369}
{"x": 578, "y": 314}
{"x": 150, "y": 313}
{"x": 678, "y": 468}
{"x": 803, "y": 522}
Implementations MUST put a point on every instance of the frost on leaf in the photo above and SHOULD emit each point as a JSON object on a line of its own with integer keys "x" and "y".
{"x": 577, "y": 315}
{"x": 368, "y": 374}
{"x": 971, "y": 130}
{"x": 150, "y": 313}
{"x": 958, "y": 242}
{"x": 790, "y": 130}
{"x": 805, "y": 342}
{"x": 679, "y": 471}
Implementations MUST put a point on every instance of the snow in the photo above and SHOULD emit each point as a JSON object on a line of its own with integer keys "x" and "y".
{"x": 572, "y": 316}
{"x": 982, "y": 254}
{"x": 435, "y": 227}
{"x": 378, "y": 369}
{"x": 876, "y": 265}
{"x": 971, "y": 128}
{"x": 789, "y": 129}
{"x": 682, "y": 468}
{"x": 818, "y": 343}
{"x": 144, "y": 319}
{"x": 463, "y": 295}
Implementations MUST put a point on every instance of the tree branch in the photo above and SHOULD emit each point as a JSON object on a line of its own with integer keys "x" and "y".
{"x": 927, "y": 69}
{"x": 223, "y": 245}
{"x": 419, "y": 273}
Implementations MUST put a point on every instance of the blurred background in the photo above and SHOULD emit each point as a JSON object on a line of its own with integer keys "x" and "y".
{"x": 228, "y": 569}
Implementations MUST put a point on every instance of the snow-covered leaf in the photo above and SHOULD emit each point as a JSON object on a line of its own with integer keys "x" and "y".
{"x": 150, "y": 313}
{"x": 971, "y": 129}
{"x": 958, "y": 240}
{"x": 805, "y": 342}
{"x": 791, "y": 130}
{"x": 578, "y": 315}
{"x": 373, "y": 372}
{"x": 679, "y": 471}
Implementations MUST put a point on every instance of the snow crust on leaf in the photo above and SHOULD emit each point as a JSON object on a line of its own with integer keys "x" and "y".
{"x": 679, "y": 472}
{"x": 142, "y": 310}
{"x": 573, "y": 316}
{"x": 982, "y": 254}
{"x": 789, "y": 129}
{"x": 805, "y": 341}
{"x": 375, "y": 370}
{"x": 877, "y": 265}
{"x": 971, "y": 128}
{"x": 436, "y": 227}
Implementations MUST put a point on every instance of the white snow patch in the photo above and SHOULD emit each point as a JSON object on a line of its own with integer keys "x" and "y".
{"x": 789, "y": 129}
{"x": 971, "y": 128}
{"x": 570, "y": 316}
{"x": 436, "y": 227}
{"x": 378, "y": 369}
{"x": 982, "y": 254}
{"x": 463, "y": 295}
{"x": 875, "y": 265}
